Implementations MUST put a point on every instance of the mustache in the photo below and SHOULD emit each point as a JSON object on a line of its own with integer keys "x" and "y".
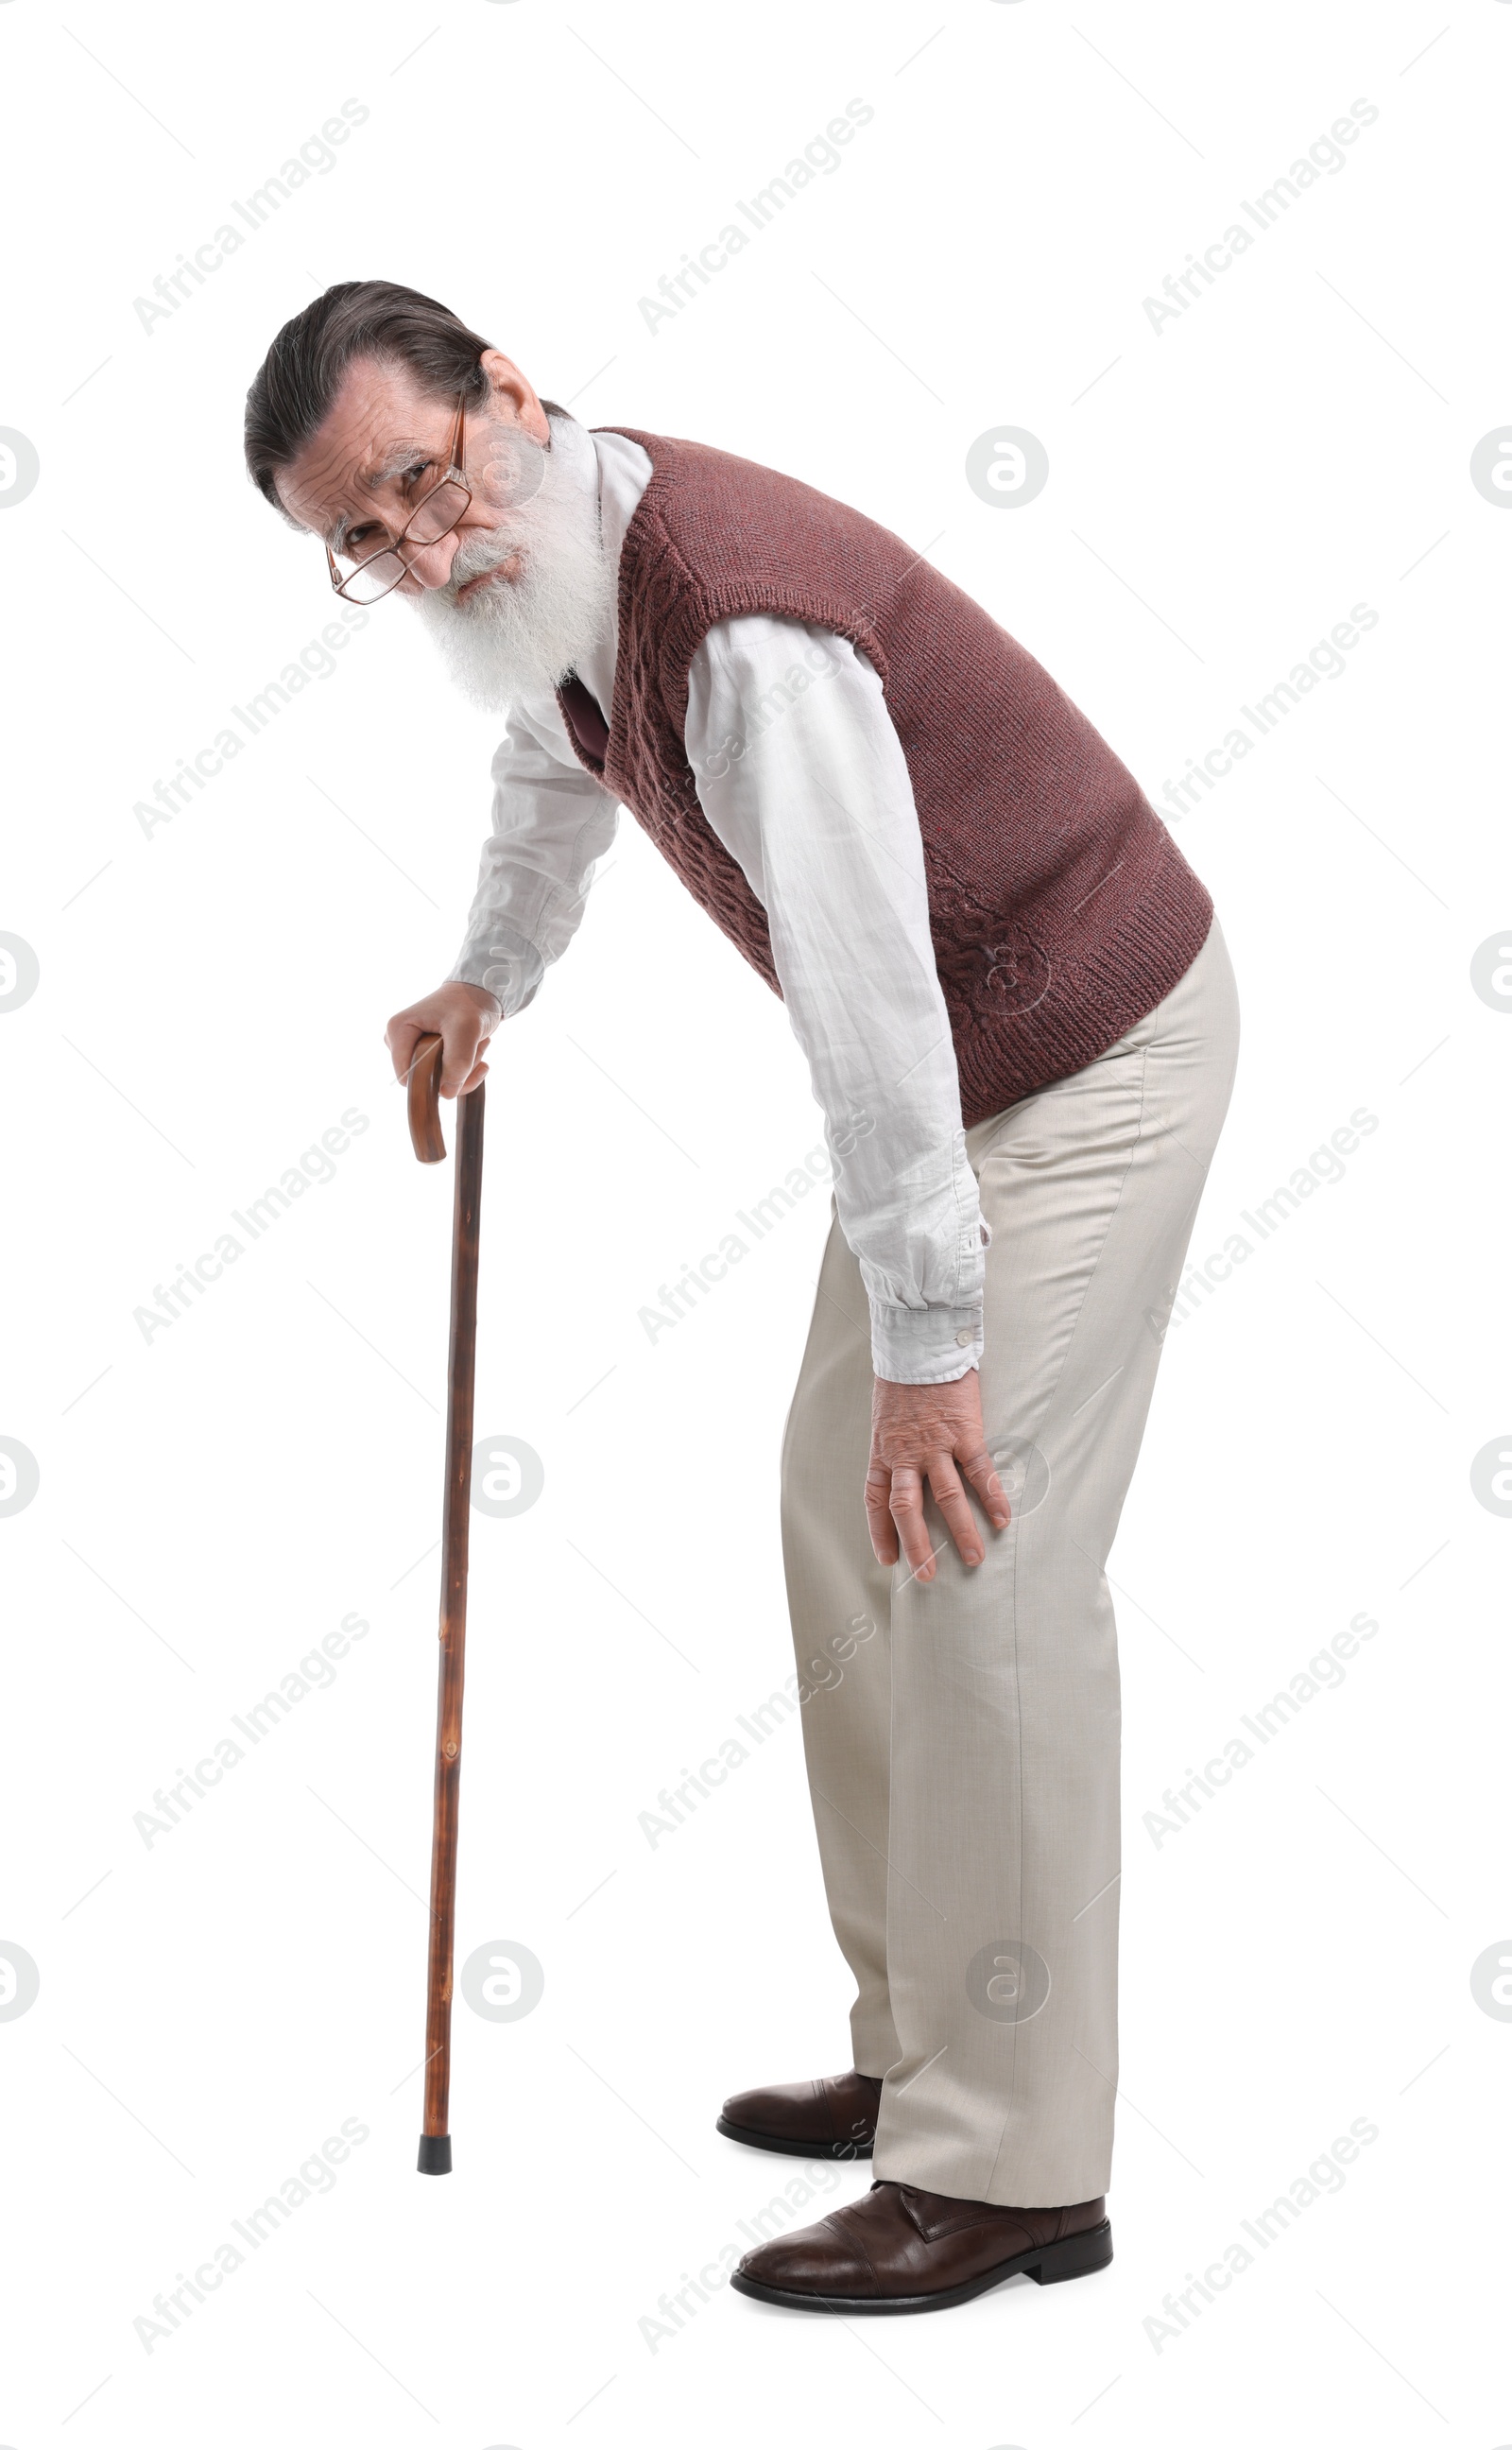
{"x": 505, "y": 641}
{"x": 517, "y": 474}
{"x": 476, "y": 556}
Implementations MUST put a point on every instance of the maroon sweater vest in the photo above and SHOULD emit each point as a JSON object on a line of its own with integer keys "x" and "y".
{"x": 1060, "y": 908}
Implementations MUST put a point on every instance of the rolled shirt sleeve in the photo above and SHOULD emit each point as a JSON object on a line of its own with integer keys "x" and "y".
{"x": 801, "y": 776}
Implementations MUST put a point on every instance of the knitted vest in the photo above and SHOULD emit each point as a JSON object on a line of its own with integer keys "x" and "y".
{"x": 1060, "y": 908}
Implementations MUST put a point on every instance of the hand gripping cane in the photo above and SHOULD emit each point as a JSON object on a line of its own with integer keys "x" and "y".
{"x": 429, "y": 1147}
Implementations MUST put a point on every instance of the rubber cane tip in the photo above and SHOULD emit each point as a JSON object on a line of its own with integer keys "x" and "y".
{"x": 435, "y": 2156}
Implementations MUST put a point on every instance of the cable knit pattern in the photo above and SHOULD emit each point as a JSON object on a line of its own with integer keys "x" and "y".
{"x": 1060, "y": 908}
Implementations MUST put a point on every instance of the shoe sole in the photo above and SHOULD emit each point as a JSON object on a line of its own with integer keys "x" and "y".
{"x": 785, "y": 2143}
{"x": 1069, "y": 2258}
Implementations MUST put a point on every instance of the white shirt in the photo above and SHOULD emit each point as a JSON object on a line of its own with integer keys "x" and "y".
{"x": 801, "y": 777}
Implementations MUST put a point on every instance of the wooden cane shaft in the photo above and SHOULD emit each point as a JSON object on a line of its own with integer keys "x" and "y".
{"x": 454, "y": 1517}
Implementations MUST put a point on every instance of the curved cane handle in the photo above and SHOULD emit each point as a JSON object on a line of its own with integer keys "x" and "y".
{"x": 425, "y": 1101}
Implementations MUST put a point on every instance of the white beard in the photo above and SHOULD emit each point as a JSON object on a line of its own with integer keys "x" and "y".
{"x": 521, "y": 636}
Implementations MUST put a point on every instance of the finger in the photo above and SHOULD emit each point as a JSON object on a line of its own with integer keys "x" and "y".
{"x": 463, "y": 1042}
{"x": 907, "y": 1509}
{"x": 479, "y": 1071}
{"x": 981, "y": 1473}
{"x": 879, "y": 1519}
{"x": 400, "y": 1038}
{"x": 956, "y": 1506}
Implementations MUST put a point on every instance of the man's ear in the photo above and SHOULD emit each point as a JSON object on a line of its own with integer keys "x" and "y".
{"x": 514, "y": 395}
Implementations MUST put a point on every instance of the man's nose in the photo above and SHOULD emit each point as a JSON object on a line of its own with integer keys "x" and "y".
{"x": 430, "y": 565}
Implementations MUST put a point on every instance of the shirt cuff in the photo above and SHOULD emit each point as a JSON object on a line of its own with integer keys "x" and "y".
{"x": 508, "y": 967}
{"x": 925, "y": 1347}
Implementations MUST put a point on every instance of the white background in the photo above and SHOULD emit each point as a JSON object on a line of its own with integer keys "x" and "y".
{"x": 212, "y": 998}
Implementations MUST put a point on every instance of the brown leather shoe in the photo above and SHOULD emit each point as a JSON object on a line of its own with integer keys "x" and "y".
{"x": 830, "y": 2118}
{"x": 899, "y": 2250}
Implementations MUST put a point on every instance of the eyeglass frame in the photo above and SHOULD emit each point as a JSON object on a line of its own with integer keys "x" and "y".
{"x": 453, "y": 474}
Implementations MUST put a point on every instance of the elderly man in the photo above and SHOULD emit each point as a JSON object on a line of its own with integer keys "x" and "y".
{"x": 1020, "y": 1021}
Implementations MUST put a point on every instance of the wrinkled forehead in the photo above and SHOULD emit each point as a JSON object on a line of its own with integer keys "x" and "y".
{"x": 380, "y": 422}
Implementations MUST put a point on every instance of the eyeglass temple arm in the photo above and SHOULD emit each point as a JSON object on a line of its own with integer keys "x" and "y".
{"x": 459, "y": 439}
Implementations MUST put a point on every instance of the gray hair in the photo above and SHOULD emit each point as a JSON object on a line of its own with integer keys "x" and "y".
{"x": 294, "y": 387}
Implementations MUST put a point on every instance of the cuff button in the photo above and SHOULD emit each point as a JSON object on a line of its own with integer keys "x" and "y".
{"x": 965, "y": 1335}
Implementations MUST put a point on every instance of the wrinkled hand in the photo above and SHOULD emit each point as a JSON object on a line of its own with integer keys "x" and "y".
{"x": 927, "y": 1432}
{"x": 466, "y": 1019}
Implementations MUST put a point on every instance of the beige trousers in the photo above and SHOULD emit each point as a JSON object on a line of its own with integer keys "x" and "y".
{"x": 962, "y": 1736}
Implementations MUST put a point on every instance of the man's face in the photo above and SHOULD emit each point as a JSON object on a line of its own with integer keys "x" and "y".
{"x": 358, "y": 479}
{"x": 521, "y": 588}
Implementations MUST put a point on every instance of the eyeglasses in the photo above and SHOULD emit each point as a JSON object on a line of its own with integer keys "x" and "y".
{"x": 432, "y": 518}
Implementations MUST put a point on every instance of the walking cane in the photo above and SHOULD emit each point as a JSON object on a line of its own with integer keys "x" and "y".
{"x": 429, "y": 1147}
